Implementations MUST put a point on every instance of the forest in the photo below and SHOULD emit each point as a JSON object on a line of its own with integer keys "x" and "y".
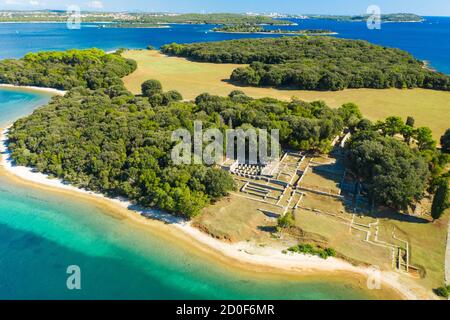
{"x": 111, "y": 141}
{"x": 248, "y": 28}
{"x": 101, "y": 137}
{"x": 90, "y": 68}
{"x": 315, "y": 63}
{"x": 397, "y": 162}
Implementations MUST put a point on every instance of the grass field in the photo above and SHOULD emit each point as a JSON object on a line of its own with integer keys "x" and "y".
{"x": 237, "y": 219}
{"x": 429, "y": 108}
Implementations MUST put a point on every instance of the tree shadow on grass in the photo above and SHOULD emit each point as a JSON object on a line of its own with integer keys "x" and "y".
{"x": 268, "y": 229}
{"x": 270, "y": 214}
{"x": 387, "y": 213}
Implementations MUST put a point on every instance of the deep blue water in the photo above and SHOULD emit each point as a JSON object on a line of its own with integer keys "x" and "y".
{"x": 429, "y": 40}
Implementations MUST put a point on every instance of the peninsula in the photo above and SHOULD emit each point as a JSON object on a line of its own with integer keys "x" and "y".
{"x": 338, "y": 171}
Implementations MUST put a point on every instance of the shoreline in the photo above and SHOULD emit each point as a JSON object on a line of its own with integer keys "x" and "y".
{"x": 247, "y": 255}
{"x": 33, "y": 88}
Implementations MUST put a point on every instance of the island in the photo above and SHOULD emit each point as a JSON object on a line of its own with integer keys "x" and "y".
{"x": 256, "y": 29}
{"x": 392, "y": 17}
{"x": 315, "y": 63}
{"x": 343, "y": 189}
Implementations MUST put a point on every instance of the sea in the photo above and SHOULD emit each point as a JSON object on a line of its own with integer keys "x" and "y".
{"x": 43, "y": 234}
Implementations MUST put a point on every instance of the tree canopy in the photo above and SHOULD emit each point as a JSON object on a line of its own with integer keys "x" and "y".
{"x": 395, "y": 175}
{"x": 111, "y": 141}
{"x": 90, "y": 68}
{"x": 315, "y": 63}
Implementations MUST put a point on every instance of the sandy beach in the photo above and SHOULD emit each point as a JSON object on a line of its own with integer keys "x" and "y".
{"x": 47, "y": 90}
{"x": 244, "y": 254}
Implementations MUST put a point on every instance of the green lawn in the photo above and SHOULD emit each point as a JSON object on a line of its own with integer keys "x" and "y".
{"x": 429, "y": 108}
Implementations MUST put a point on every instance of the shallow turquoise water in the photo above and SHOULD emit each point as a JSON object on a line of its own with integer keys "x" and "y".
{"x": 41, "y": 234}
{"x": 15, "y": 103}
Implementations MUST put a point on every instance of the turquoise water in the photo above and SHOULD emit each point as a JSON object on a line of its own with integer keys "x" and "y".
{"x": 15, "y": 103}
{"x": 41, "y": 234}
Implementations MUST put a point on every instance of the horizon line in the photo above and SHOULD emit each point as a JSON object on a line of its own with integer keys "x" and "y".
{"x": 216, "y": 12}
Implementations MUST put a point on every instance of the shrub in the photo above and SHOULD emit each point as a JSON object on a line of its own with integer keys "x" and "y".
{"x": 236, "y": 93}
{"x": 151, "y": 87}
{"x": 286, "y": 221}
{"x": 313, "y": 250}
{"x": 442, "y": 291}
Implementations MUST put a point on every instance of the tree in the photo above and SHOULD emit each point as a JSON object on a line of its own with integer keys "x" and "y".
{"x": 364, "y": 125}
{"x": 236, "y": 93}
{"x": 445, "y": 141}
{"x": 407, "y": 132}
{"x": 156, "y": 99}
{"x": 151, "y": 87}
{"x": 441, "y": 199}
{"x": 410, "y": 121}
{"x": 218, "y": 183}
{"x": 425, "y": 139}
{"x": 171, "y": 96}
{"x": 392, "y": 126}
{"x": 349, "y": 110}
{"x": 286, "y": 221}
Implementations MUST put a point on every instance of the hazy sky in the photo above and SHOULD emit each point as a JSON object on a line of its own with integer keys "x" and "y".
{"x": 422, "y": 7}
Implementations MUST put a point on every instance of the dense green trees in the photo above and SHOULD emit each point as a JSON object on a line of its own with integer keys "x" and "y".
{"x": 101, "y": 137}
{"x": 397, "y": 173}
{"x": 394, "y": 174}
{"x": 111, "y": 141}
{"x": 119, "y": 145}
{"x": 252, "y": 28}
{"x": 315, "y": 63}
{"x": 91, "y": 68}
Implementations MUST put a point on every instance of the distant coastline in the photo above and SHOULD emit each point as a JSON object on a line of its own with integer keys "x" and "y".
{"x": 275, "y": 33}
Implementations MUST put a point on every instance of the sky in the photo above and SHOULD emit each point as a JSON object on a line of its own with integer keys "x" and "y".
{"x": 421, "y": 7}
